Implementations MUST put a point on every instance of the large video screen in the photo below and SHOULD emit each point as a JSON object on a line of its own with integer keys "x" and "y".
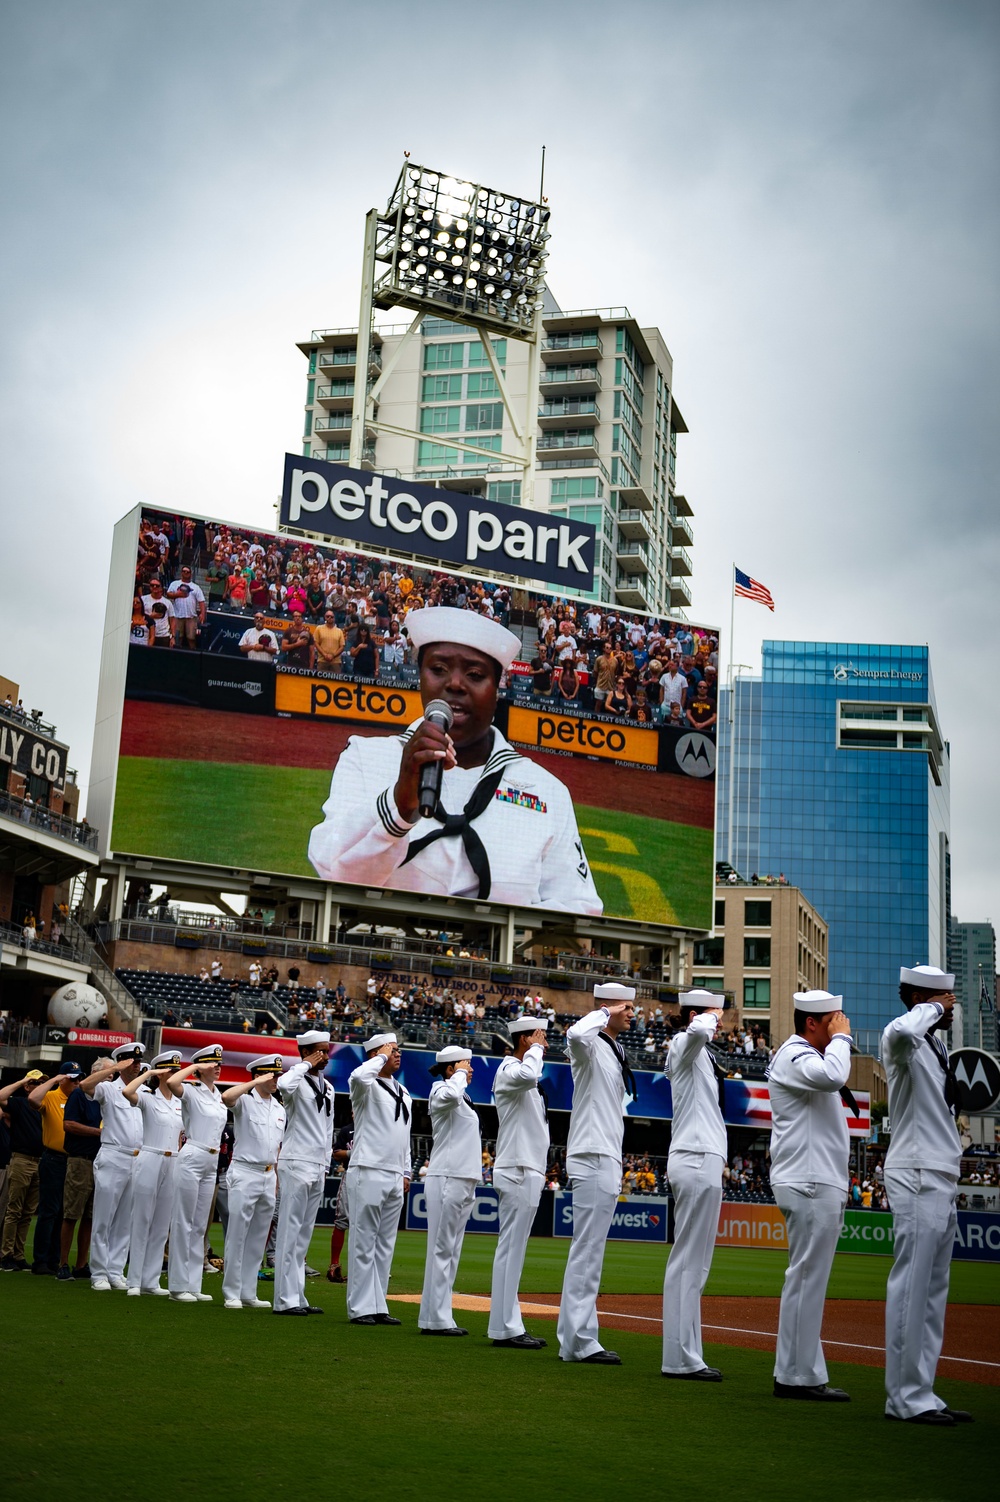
{"x": 271, "y": 689}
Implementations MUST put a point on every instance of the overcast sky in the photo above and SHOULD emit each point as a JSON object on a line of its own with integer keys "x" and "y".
{"x": 802, "y": 196}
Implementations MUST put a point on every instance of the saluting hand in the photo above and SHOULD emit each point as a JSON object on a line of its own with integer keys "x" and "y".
{"x": 316, "y": 1056}
{"x": 839, "y": 1024}
{"x": 428, "y": 743}
{"x": 538, "y": 1036}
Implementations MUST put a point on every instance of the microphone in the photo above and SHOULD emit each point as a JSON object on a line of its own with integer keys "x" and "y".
{"x": 429, "y": 783}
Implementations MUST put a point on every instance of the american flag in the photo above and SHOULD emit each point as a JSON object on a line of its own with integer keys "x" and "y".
{"x": 752, "y": 589}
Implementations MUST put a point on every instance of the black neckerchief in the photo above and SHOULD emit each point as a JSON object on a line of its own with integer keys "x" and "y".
{"x": 460, "y": 826}
{"x": 540, "y": 1087}
{"x": 951, "y": 1092}
{"x": 720, "y": 1079}
{"x": 320, "y": 1092}
{"x": 397, "y": 1096}
{"x": 627, "y": 1076}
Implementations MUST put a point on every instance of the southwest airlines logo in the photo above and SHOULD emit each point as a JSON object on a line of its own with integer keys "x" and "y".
{"x": 843, "y": 671}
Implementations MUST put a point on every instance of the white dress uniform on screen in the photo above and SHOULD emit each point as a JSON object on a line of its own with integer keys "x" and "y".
{"x": 697, "y": 1156}
{"x": 528, "y": 829}
{"x": 380, "y": 1161}
{"x": 810, "y": 1145}
{"x": 921, "y": 1175}
{"x": 258, "y": 1128}
{"x": 518, "y": 1176}
{"x": 203, "y": 1117}
{"x": 121, "y": 1139}
{"x": 456, "y": 1167}
{"x": 305, "y": 1163}
{"x": 594, "y": 1167}
{"x": 153, "y": 1187}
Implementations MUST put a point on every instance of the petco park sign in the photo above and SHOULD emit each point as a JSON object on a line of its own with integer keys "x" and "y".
{"x": 391, "y": 516}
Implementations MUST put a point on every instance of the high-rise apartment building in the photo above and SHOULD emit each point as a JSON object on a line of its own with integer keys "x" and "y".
{"x": 607, "y": 420}
{"x": 972, "y": 956}
{"x": 841, "y": 786}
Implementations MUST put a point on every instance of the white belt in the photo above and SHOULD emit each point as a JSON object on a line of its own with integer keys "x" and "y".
{"x": 161, "y": 1152}
{"x": 245, "y": 1163}
{"x": 203, "y": 1145}
{"x": 112, "y": 1147}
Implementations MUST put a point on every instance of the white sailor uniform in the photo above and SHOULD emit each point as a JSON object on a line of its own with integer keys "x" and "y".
{"x": 526, "y": 830}
{"x": 153, "y": 1186}
{"x": 380, "y": 1160}
{"x": 921, "y": 1174}
{"x": 810, "y": 1145}
{"x": 694, "y": 1168}
{"x": 258, "y": 1127}
{"x": 518, "y": 1176}
{"x": 456, "y": 1167}
{"x": 304, "y": 1165}
{"x": 594, "y": 1166}
{"x": 203, "y": 1117}
{"x": 121, "y": 1139}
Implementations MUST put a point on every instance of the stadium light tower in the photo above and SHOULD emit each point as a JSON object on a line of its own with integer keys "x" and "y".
{"x": 460, "y": 251}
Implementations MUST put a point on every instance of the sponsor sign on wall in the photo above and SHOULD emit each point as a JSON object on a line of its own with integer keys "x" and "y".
{"x": 637, "y": 1217}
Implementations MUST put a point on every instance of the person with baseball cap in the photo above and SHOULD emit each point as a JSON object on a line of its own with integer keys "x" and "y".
{"x": 698, "y": 1148}
{"x": 921, "y": 1179}
{"x": 378, "y": 1177}
{"x": 153, "y": 1179}
{"x": 121, "y": 1139}
{"x": 518, "y": 1174}
{"x": 810, "y": 1146}
{"x": 22, "y": 1179}
{"x": 203, "y": 1121}
{"x": 456, "y": 1167}
{"x": 307, "y": 1096}
{"x": 503, "y": 827}
{"x": 50, "y": 1100}
{"x": 258, "y": 1127}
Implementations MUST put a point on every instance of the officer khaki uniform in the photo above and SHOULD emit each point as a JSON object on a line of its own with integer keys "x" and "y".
{"x": 694, "y": 1168}
{"x": 305, "y": 1163}
{"x": 153, "y": 1181}
{"x": 258, "y": 1127}
{"x": 810, "y": 1146}
{"x": 601, "y": 1078}
{"x": 203, "y": 1117}
{"x": 121, "y": 1139}
{"x": 456, "y": 1167}
{"x": 518, "y": 1173}
{"x": 921, "y": 1174}
{"x": 380, "y": 1161}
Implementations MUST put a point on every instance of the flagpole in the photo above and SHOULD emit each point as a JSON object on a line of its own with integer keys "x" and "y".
{"x": 732, "y": 717}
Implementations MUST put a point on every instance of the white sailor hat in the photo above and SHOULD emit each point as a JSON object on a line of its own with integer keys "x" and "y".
{"x": 379, "y": 1040}
{"x": 817, "y": 1002}
{"x": 701, "y": 997}
{"x": 926, "y": 978}
{"x": 612, "y": 991}
{"x": 433, "y": 623}
{"x": 268, "y": 1063}
{"x": 452, "y": 1054}
{"x": 128, "y": 1051}
{"x": 312, "y": 1039}
{"x": 169, "y": 1056}
{"x": 528, "y": 1025}
{"x": 210, "y": 1054}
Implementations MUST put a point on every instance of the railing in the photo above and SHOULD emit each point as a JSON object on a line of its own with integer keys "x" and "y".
{"x": 562, "y": 375}
{"x": 66, "y": 948}
{"x": 632, "y": 514}
{"x": 586, "y": 339}
{"x": 613, "y": 315}
{"x": 580, "y": 438}
{"x": 593, "y": 463}
{"x": 570, "y": 406}
{"x": 27, "y": 718}
{"x": 25, "y": 811}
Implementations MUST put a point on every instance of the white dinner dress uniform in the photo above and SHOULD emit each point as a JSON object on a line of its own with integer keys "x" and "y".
{"x": 380, "y": 1161}
{"x": 594, "y": 1167}
{"x": 304, "y": 1165}
{"x": 153, "y": 1186}
{"x": 258, "y": 1127}
{"x": 528, "y": 829}
{"x": 121, "y": 1139}
{"x": 921, "y": 1174}
{"x": 518, "y": 1176}
{"x": 456, "y": 1167}
{"x": 697, "y": 1156}
{"x": 810, "y": 1146}
{"x": 203, "y": 1117}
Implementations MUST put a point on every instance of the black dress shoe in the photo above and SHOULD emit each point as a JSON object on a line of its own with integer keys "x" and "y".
{"x": 455, "y": 1330}
{"x": 523, "y": 1342}
{"x": 313, "y": 1309}
{"x": 934, "y": 1418}
{"x": 960, "y": 1415}
{"x": 601, "y": 1358}
{"x": 386, "y": 1319}
{"x": 703, "y": 1374}
{"x": 302, "y": 1309}
{"x": 42, "y": 1270}
{"x": 820, "y": 1394}
{"x": 365, "y": 1319}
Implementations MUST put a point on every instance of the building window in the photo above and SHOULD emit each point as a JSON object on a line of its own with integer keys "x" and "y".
{"x": 708, "y": 982}
{"x": 441, "y": 388}
{"x": 444, "y": 356}
{"x": 757, "y": 914}
{"x": 484, "y": 418}
{"x": 477, "y": 355}
{"x": 440, "y": 419}
{"x": 435, "y": 454}
{"x": 481, "y": 383}
{"x": 756, "y": 993}
{"x": 584, "y": 488}
{"x": 309, "y": 424}
{"x": 720, "y": 913}
{"x": 756, "y": 951}
{"x": 310, "y": 392}
{"x": 709, "y": 951}
{"x": 506, "y": 492}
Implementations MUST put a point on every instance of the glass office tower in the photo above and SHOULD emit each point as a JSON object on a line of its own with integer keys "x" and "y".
{"x": 835, "y": 776}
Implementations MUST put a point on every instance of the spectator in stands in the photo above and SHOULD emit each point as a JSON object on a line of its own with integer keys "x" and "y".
{"x": 619, "y": 702}
{"x": 297, "y": 650}
{"x": 701, "y": 712}
{"x": 170, "y": 1017}
{"x": 187, "y": 1020}
{"x": 203, "y": 974}
{"x": 330, "y": 643}
{"x": 258, "y": 644}
{"x": 293, "y": 977}
{"x": 673, "y": 688}
{"x": 190, "y": 609}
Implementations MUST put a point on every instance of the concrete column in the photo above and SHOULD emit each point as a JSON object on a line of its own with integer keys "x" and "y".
{"x": 117, "y": 894}
{"x": 507, "y": 941}
{"x": 325, "y": 911}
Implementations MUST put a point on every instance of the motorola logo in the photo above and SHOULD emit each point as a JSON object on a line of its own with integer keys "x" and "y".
{"x": 696, "y": 755}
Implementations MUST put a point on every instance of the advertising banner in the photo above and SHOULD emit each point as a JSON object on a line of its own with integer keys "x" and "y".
{"x": 637, "y": 1217}
{"x": 84, "y": 1037}
{"x": 21, "y": 750}
{"x": 484, "y": 1217}
{"x": 750, "y": 1225}
{"x": 868, "y": 1232}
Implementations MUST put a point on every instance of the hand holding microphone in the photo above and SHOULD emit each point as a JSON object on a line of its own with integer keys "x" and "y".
{"x": 427, "y": 754}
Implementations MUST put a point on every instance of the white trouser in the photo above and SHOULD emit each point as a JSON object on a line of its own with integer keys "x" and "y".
{"x": 924, "y": 1219}
{"x": 152, "y": 1203}
{"x": 113, "y": 1169}
{"x": 251, "y": 1189}
{"x": 448, "y": 1204}
{"x": 696, "y": 1183}
{"x": 301, "y": 1194}
{"x": 596, "y": 1179}
{"x": 814, "y": 1216}
{"x": 518, "y": 1192}
{"x": 374, "y": 1200}
{"x": 194, "y": 1185}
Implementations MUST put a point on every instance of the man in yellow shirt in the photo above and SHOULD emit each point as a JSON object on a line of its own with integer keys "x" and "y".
{"x": 49, "y": 1099}
{"x": 330, "y": 642}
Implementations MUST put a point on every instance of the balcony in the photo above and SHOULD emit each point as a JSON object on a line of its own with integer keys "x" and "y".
{"x": 338, "y": 422}
{"x": 681, "y": 534}
{"x": 679, "y": 593}
{"x": 681, "y": 505}
{"x": 572, "y": 379}
{"x": 680, "y": 564}
{"x": 573, "y": 443}
{"x": 555, "y": 413}
{"x": 632, "y": 592}
{"x": 346, "y": 359}
{"x": 632, "y": 556}
{"x": 635, "y": 497}
{"x": 340, "y": 453}
{"x": 337, "y": 397}
{"x": 633, "y": 525}
{"x": 556, "y": 347}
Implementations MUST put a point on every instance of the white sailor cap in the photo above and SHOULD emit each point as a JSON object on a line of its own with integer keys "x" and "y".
{"x": 379, "y": 1040}
{"x": 312, "y": 1039}
{"x": 452, "y": 1054}
{"x": 128, "y": 1051}
{"x": 528, "y": 1025}
{"x": 434, "y": 623}
{"x": 817, "y": 1002}
{"x": 926, "y": 978}
{"x": 169, "y": 1056}
{"x": 612, "y": 991}
{"x": 210, "y": 1054}
{"x": 268, "y": 1063}
{"x": 701, "y": 997}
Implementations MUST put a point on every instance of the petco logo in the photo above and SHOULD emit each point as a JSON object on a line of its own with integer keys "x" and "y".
{"x": 843, "y": 671}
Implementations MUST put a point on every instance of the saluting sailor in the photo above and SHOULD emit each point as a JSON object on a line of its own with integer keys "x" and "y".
{"x": 810, "y": 1146}
{"x": 121, "y": 1139}
{"x": 378, "y": 1178}
{"x": 305, "y": 1162}
{"x": 504, "y": 828}
{"x": 456, "y": 1168}
{"x": 258, "y": 1127}
{"x": 697, "y": 1157}
{"x": 518, "y": 1174}
{"x": 921, "y": 1175}
{"x": 602, "y": 1080}
{"x": 153, "y": 1177}
{"x": 203, "y": 1118}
